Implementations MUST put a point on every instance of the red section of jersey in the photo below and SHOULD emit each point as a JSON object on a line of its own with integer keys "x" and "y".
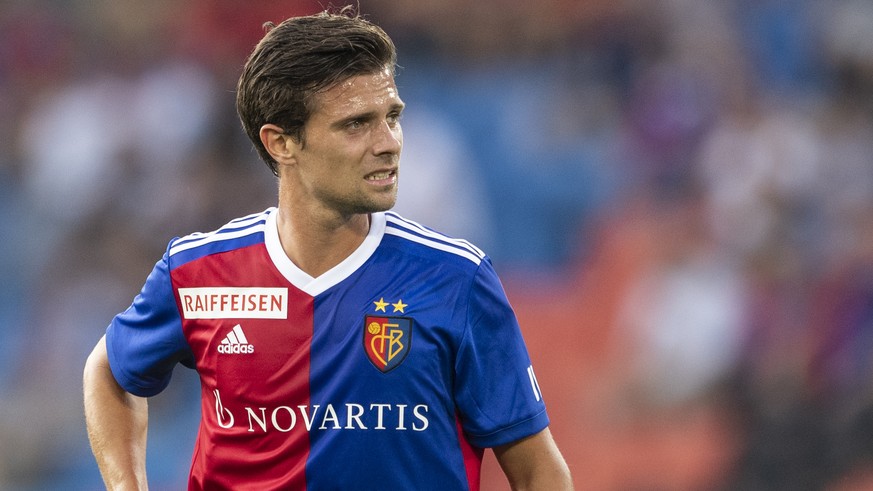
{"x": 254, "y": 372}
{"x": 472, "y": 459}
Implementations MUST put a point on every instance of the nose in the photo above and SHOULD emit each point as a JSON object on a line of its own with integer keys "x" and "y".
{"x": 388, "y": 138}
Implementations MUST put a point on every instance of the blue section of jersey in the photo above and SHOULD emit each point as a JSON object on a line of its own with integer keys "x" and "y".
{"x": 408, "y": 420}
{"x": 145, "y": 342}
{"x": 493, "y": 390}
{"x": 418, "y": 231}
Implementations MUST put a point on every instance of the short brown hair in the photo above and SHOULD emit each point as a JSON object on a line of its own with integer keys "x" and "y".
{"x": 299, "y": 58}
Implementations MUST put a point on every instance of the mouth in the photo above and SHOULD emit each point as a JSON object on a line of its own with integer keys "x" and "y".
{"x": 382, "y": 177}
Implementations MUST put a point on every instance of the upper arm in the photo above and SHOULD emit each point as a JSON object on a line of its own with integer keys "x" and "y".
{"x": 99, "y": 383}
{"x": 534, "y": 463}
{"x": 97, "y": 368}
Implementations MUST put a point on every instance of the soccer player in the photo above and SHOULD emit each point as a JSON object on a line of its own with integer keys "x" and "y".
{"x": 339, "y": 345}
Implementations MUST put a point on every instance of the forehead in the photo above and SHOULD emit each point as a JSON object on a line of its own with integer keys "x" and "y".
{"x": 359, "y": 93}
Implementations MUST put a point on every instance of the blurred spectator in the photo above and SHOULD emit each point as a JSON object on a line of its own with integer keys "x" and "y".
{"x": 442, "y": 186}
{"x": 684, "y": 315}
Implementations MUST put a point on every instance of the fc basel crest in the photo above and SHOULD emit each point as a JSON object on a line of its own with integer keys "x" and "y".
{"x": 387, "y": 340}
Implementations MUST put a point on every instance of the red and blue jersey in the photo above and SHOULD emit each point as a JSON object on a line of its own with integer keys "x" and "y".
{"x": 393, "y": 370}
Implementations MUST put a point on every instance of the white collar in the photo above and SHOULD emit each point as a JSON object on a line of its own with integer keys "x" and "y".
{"x": 315, "y": 286}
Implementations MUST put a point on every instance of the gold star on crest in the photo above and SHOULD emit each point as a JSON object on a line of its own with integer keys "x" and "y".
{"x": 381, "y": 304}
{"x": 399, "y": 306}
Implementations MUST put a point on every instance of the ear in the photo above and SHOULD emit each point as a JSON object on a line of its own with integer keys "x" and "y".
{"x": 280, "y": 145}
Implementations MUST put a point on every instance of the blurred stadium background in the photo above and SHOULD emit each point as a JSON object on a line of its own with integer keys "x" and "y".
{"x": 678, "y": 194}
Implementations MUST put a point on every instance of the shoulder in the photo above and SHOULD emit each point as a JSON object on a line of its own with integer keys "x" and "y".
{"x": 428, "y": 242}
{"x": 235, "y": 234}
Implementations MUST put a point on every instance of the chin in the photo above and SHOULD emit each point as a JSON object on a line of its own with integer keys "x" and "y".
{"x": 373, "y": 207}
{"x": 384, "y": 204}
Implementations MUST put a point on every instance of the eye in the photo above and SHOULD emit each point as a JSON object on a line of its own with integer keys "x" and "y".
{"x": 355, "y": 124}
{"x": 393, "y": 119}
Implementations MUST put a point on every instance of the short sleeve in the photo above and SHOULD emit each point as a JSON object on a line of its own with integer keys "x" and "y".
{"x": 496, "y": 391}
{"x": 146, "y": 341}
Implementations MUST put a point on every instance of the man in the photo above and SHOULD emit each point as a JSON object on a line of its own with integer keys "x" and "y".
{"x": 339, "y": 346}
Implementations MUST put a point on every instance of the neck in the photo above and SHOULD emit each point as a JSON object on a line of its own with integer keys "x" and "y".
{"x": 317, "y": 245}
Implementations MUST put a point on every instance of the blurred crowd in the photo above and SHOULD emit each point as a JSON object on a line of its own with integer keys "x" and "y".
{"x": 678, "y": 195}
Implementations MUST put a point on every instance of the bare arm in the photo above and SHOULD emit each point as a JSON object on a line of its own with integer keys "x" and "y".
{"x": 534, "y": 463}
{"x": 117, "y": 422}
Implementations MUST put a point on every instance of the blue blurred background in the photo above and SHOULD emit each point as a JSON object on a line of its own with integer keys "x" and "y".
{"x": 678, "y": 195}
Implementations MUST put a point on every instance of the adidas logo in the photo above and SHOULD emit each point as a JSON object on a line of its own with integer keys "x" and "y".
{"x": 235, "y": 342}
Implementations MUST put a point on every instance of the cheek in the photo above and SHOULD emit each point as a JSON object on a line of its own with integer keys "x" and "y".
{"x": 338, "y": 169}
{"x": 326, "y": 159}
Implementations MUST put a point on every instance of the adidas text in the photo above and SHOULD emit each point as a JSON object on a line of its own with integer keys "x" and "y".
{"x": 236, "y": 349}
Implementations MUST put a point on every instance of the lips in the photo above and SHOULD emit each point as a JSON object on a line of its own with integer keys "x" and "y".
{"x": 381, "y": 177}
